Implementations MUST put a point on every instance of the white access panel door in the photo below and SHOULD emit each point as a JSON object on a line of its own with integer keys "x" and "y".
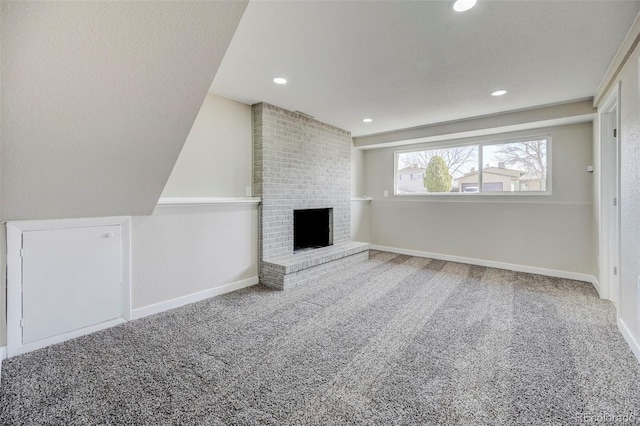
{"x": 71, "y": 278}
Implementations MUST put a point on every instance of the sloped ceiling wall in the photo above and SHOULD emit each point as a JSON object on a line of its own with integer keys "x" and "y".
{"x": 98, "y": 99}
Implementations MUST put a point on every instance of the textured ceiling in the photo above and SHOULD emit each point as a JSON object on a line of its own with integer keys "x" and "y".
{"x": 413, "y": 63}
{"x": 98, "y": 99}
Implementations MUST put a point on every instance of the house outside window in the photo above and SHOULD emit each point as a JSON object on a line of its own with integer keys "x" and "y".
{"x": 410, "y": 179}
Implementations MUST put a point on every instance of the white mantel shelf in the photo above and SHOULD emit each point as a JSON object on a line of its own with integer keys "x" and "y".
{"x": 362, "y": 199}
{"x": 203, "y": 201}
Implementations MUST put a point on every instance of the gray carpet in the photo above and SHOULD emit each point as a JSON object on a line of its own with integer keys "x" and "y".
{"x": 395, "y": 340}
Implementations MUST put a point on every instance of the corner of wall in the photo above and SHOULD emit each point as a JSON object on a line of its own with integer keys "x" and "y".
{"x": 597, "y": 189}
{"x": 622, "y": 77}
{"x": 357, "y": 172}
{"x": 628, "y": 45}
{"x": 3, "y": 239}
{"x": 629, "y": 337}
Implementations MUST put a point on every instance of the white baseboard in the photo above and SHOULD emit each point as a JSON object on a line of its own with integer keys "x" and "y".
{"x": 3, "y": 355}
{"x": 633, "y": 343}
{"x": 493, "y": 264}
{"x": 21, "y": 348}
{"x": 137, "y": 313}
{"x": 191, "y": 298}
{"x": 596, "y": 284}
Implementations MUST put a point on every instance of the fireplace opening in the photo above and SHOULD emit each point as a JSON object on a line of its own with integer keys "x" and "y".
{"x": 312, "y": 228}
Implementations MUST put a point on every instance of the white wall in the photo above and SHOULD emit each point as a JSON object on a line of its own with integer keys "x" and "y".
{"x": 178, "y": 251}
{"x": 215, "y": 161}
{"x": 551, "y": 232}
{"x": 181, "y": 250}
{"x": 360, "y": 221}
{"x": 98, "y": 99}
{"x": 360, "y": 224}
{"x": 357, "y": 172}
{"x": 629, "y": 137}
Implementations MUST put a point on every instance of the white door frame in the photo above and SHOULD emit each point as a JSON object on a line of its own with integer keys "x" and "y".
{"x": 14, "y": 278}
{"x": 609, "y": 223}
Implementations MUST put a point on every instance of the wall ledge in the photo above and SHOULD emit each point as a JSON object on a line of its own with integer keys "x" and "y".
{"x": 202, "y": 201}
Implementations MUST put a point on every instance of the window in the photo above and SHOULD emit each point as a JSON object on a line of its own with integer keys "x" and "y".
{"x": 518, "y": 165}
{"x": 489, "y": 167}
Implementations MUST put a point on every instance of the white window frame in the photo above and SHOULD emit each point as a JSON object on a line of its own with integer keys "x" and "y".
{"x": 480, "y": 145}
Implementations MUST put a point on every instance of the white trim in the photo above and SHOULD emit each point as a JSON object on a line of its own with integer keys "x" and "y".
{"x": 15, "y": 230}
{"x": 631, "y": 341}
{"x": 125, "y": 246}
{"x": 84, "y": 222}
{"x": 3, "y": 355}
{"x": 606, "y": 182}
{"x": 24, "y": 348}
{"x": 14, "y": 287}
{"x": 192, "y": 298}
{"x": 362, "y": 199}
{"x": 596, "y": 284}
{"x": 494, "y": 264}
{"x": 201, "y": 201}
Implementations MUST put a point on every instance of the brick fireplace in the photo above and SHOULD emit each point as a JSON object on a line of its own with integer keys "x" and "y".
{"x": 301, "y": 164}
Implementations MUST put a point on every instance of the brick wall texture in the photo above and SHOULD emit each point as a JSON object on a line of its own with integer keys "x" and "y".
{"x": 299, "y": 163}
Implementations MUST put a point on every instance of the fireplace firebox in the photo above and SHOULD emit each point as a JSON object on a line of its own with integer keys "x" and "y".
{"x": 312, "y": 228}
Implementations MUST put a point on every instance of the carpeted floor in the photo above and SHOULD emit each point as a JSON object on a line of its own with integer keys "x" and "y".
{"x": 395, "y": 340}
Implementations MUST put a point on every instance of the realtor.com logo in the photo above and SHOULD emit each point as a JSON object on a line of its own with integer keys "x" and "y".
{"x": 606, "y": 418}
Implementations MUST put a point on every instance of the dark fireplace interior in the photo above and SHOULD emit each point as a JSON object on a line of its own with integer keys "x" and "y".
{"x": 312, "y": 228}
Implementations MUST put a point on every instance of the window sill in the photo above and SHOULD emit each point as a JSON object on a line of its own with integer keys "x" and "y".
{"x": 485, "y": 199}
{"x": 496, "y": 195}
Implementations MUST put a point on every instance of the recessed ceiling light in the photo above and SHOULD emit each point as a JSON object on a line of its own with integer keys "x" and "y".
{"x": 367, "y": 120}
{"x": 499, "y": 93}
{"x": 280, "y": 80}
{"x": 463, "y": 5}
